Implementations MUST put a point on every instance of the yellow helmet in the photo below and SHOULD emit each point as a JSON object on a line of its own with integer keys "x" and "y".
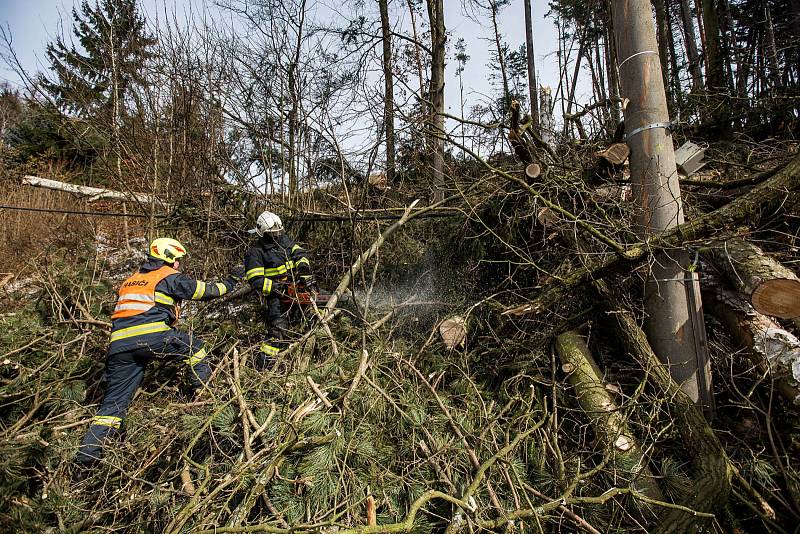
{"x": 167, "y": 249}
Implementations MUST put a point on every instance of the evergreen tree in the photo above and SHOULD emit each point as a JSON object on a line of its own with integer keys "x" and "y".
{"x": 94, "y": 80}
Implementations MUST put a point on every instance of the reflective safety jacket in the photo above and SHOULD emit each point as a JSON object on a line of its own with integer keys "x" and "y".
{"x": 149, "y": 302}
{"x": 274, "y": 259}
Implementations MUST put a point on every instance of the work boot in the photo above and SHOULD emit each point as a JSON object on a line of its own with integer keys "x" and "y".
{"x": 81, "y": 471}
{"x": 264, "y": 362}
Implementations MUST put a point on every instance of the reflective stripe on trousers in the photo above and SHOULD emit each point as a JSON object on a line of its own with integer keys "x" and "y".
{"x": 139, "y": 330}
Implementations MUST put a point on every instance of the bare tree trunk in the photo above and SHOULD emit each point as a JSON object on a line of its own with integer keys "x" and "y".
{"x": 294, "y": 95}
{"x": 698, "y": 4}
{"x": 562, "y": 64}
{"x": 772, "y": 49}
{"x": 793, "y": 67}
{"x": 601, "y": 82}
{"x": 533, "y": 87}
{"x": 672, "y": 297}
{"x": 501, "y": 58}
{"x": 725, "y": 30}
{"x": 663, "y": 48}
{"x": 715, "y": 68}
{"x": 690, "y": 41}
{"x": 748, "y": 57}
{"x": 574, "y": 84}
{"x": 438, "y": 42}
{"x": 674, "y": 78}
{"x": 417, "y": 55}
{"x": 611, "y": 68}
{"x": 388, "y": 84}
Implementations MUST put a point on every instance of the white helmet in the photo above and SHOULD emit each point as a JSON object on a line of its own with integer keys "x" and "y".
{"x": 267, "y": 223}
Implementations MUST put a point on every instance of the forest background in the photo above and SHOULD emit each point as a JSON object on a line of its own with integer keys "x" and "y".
{"x": 500, "y": 363}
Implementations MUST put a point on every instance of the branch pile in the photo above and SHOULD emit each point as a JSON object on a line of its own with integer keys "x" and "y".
{"x": 550, "y": 413}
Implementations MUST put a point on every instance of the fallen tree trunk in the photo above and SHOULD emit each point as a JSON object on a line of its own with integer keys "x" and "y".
{"x": 93, "y": 193}
{"x": 627, "y": 460}
{"x": 750, "y": 207}
{"x": 772, "y": 349}
{"x": 770, "y": 287}
{"x": 710, "y": 465}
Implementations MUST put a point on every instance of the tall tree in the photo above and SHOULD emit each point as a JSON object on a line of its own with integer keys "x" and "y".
{"x": 94, "y": 82}
{"x": 533, "y": 89}
{"x": 715, "y": 74}
{"x": 690, "y": 42}
{"x": 461, "y": 58}
{"x": 95, "y": 78}
{"x": 388, "y": 84}
{"x": 436, "y": 93}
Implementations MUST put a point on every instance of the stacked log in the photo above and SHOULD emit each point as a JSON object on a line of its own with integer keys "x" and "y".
{"x": 773, "y": 350}
{"x": 611, "y": 427}
{"x": 771, "y": 288}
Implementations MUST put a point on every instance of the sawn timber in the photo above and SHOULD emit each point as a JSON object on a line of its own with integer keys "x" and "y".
{"x": 749, "y": 208}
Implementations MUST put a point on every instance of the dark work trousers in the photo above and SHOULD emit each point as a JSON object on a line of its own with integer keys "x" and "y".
{"x": 276, "y": 321}
{"x": 124, "y": 373}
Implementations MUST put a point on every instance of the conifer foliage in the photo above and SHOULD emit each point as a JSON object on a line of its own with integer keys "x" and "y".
{"x": 114, "y": 48}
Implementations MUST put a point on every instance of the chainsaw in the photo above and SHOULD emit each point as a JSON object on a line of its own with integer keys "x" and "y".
{"x": 298, "y": 293}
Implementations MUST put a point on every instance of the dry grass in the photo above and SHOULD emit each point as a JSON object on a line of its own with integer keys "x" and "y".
{"x": 24, "y": 235}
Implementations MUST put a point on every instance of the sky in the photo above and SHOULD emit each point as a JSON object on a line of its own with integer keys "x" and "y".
{"x": 34, "y": 23}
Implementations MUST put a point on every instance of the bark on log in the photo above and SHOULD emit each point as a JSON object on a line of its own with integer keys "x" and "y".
{"x": 763, "y": 199}
{"x": 710, "y": 465}
{"x": 94, "y": 193}
{"x": 774, "y": 350}
{"x": 628, "y": 460}
{"x": 770, "y": 287}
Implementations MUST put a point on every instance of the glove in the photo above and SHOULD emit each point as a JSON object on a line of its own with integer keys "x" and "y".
{"x": 310, "y": 283}
{"x": 303, "y": 269}
{"x": 235, "y": 276}
{"x": 279, "y": 287}
{"x": 237, "y": 273}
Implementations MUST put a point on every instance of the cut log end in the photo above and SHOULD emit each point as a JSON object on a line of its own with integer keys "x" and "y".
{"x": 616, "y": 154}
{"x": 779, "y": 297}
{"x": 533, "y": 171}
{"x": 453, "y": 332}
{"x": 186, "y": 480}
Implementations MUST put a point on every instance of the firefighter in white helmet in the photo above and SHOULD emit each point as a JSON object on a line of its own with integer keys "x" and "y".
{"x": 273, "y": 263}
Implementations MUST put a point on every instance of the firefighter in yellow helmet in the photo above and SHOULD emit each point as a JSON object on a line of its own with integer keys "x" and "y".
{"x": 143, "y": 329}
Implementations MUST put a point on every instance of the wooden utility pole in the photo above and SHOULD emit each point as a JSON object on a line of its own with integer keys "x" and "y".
{"x": 388, "y": 83}
{"x": 674, "y": 323}
{"x": 533, "y": 88}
